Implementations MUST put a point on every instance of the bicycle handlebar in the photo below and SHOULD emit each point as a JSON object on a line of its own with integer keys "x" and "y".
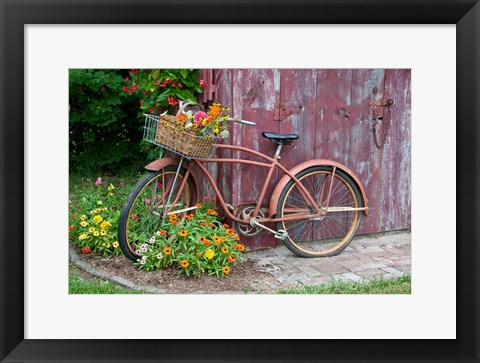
{"x": 244, "y": 122}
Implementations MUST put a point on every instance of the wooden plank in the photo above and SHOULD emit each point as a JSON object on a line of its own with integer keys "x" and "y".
{"x": 363, "y": 156}
{"x": 396, "y": 154}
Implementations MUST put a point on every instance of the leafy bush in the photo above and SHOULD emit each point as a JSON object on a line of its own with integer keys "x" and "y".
{"x": 105, "y": 114}
{"x": 162, "y": 89}
{"x": 195, "y": 243}
{"x": 94, "y": 213}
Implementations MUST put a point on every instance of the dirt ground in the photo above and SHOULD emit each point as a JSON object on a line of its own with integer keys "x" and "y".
{"x": 239, "y": 281}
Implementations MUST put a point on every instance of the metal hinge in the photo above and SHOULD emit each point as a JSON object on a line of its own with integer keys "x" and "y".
{"x": 281, "y": 111}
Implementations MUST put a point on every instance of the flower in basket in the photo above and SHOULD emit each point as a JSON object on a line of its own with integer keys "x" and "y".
{"x": 210, "y": 124}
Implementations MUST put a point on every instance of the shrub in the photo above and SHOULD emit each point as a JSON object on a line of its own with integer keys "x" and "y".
{"x": 194, "y": 243}
{"x": 162, "y": 89}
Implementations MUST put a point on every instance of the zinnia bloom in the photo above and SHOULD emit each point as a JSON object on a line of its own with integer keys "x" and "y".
{"x": 98, "y": 181}
{"x": 230, "y": 231}
{"x": 226, "y": 270}
{"x": 97, "y": 219}
{"x": 225, "y": 250}
{"x": 215, "y": 110}
{"x": 86, "y": 250}
{"x": 184, "y": 263}
{"x": 209, "y": 254}
{"x": 115, "y": 244}
{"x": 83, "y": 223}
{"x": 183, "y": 233}
{"x": 231, "y": 259}
{"x": 163, "y": 232}
{"x": 71, "y": 228}
{"x": 217, "y": 240}
{"x": 167, "y": 251}
{"x": 83, "y": 217}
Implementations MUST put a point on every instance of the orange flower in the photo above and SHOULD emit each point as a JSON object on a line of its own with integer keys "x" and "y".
{"x": 183, "y": 233}
{"x": 182, "y": 117}
{"x": 239, "y": 246}
{"x": 210, "y": 224}
{"x": 230, "y": 231}
{"x": 202, "y": 239}
{"x": 190, "y": 217}
{"x": 226, "y": 270}
{"x": 163, "y": 232}
{"x": 184, "y": 263}
{"x": 198, "y": 254}
{"x": 198, "y": 205}
{"x": 212, "y": 212}
{"x": 217, "y": 240}
{"x": 215, "y": 110}
{"x": 226, "y": 225}
{"x": 203, "y": 224}
{"x": 167, "y": 251}
{"x": 231, "y": 259}
{"x": 207, "y": 243}
{"x": 236, "y": 238}
{"x": 225, "y": 250}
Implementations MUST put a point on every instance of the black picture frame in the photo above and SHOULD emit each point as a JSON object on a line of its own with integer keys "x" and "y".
{"x": 15, "y": 14}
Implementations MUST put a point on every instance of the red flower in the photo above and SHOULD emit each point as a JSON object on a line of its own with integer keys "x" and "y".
{"x": 205, "y": 199}
{"x": 179, "y": 85}
{"x": 151, "y": 110}
{"x": 71, "y": 228}
{"x": 201, "y": 83}
{"x": 86, "y": 250}
{"x": 74, "y": 216}
{"x": 125, "y": 88}
{"x": 127, "y": 79}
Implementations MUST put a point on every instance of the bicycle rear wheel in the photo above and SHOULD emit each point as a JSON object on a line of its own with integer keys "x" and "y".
{"x": 143, "y": 212}
{"x": 330, "y": 233}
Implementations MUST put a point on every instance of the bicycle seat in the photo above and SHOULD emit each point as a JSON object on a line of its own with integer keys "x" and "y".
{"x": 284, "y": 139}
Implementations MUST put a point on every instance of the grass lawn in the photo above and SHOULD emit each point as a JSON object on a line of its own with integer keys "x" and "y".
{"x": 399, "y": 285}
{"x": 79, "y": 285}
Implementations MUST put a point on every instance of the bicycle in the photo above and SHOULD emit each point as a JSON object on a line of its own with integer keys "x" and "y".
{"x": 316, "y": 207}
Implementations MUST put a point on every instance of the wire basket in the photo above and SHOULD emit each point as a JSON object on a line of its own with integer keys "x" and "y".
{"x": 162, "y": 131}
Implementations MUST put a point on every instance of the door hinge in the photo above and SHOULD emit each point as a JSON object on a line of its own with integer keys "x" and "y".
{"x": 281, "y": 111}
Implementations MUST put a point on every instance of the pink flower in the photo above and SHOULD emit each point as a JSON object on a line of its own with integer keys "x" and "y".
{"x": 214, "y": 200}
{"x": 205, "y": 199}
{"x": 172, "y": 101}
{"x": 127, "y": 79}
{"x": 125, "y": 88}
{"x": 151, "y": 110}
{"x": 198, "y": 117}
{"x": 98, "y": 181}
{"x": 201, "y": 83}
{"x": 147, "y": 201}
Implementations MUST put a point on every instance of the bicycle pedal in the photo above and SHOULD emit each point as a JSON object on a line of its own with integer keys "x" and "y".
{"x": 281, "y": 234}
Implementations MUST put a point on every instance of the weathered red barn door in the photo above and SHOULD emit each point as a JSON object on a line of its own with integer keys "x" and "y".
{"x": 333, "y": 111}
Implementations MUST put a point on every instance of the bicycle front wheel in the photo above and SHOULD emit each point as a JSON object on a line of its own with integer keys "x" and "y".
{"x": 329, "y": 234}
{"x": 143, "y": 212}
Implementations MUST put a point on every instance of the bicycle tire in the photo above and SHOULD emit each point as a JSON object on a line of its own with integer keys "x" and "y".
{"x": 327, "y": 235}
{"x": 132, "y": 228}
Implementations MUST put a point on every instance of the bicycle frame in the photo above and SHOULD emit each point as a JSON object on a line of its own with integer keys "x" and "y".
{"x": 271, "y": 164}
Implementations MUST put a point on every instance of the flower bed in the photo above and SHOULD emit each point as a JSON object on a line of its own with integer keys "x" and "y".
{"x": 195, "y": 243}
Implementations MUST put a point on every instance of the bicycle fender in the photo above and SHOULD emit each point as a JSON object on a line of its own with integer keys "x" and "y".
{"x": 164, "y": 162}
{"x": 308, "y": 164}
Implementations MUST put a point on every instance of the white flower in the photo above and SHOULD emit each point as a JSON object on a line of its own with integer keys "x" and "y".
{"x": 152, "y": 239}
{"x": 189, "y": 113}
{"x": 159, "y": 256}
{"x": 143, "y": 261}
{"x": 143, "y": 248}
{"x": 188, "y": 124}
{"x": 224, "y": 134}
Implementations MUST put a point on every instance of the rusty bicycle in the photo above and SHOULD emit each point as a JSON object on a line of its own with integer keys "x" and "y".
{"x": 314, "y": 209}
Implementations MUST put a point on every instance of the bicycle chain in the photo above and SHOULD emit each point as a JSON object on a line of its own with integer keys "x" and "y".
{"x": 386, "y": 128}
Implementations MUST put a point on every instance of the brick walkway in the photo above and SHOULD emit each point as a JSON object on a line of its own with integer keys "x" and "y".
{"x": 366, "y": 257}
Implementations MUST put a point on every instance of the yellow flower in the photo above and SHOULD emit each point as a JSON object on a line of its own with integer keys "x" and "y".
{"x": 104, "y": 225}
{"x": 225, "y": 250}
{"x": 184, "y": 263}
{"x": 111, "y": 187}
{"x": 167, "y": 251}
{"x": 99, "y": 202}
{"x": 83, "y": 217}
{"x": 115, "y": 244}
{"x": 103, "y": 233}
{"x": 83, "y": 223}
{"x": 91, "y": 229}
{"x": 183, "y": 233}
{"x": 209, "y": 253}
{"x": 96, "y": 233}
{"x": 97, "y": 219}
{"x": 226, "y": 270}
